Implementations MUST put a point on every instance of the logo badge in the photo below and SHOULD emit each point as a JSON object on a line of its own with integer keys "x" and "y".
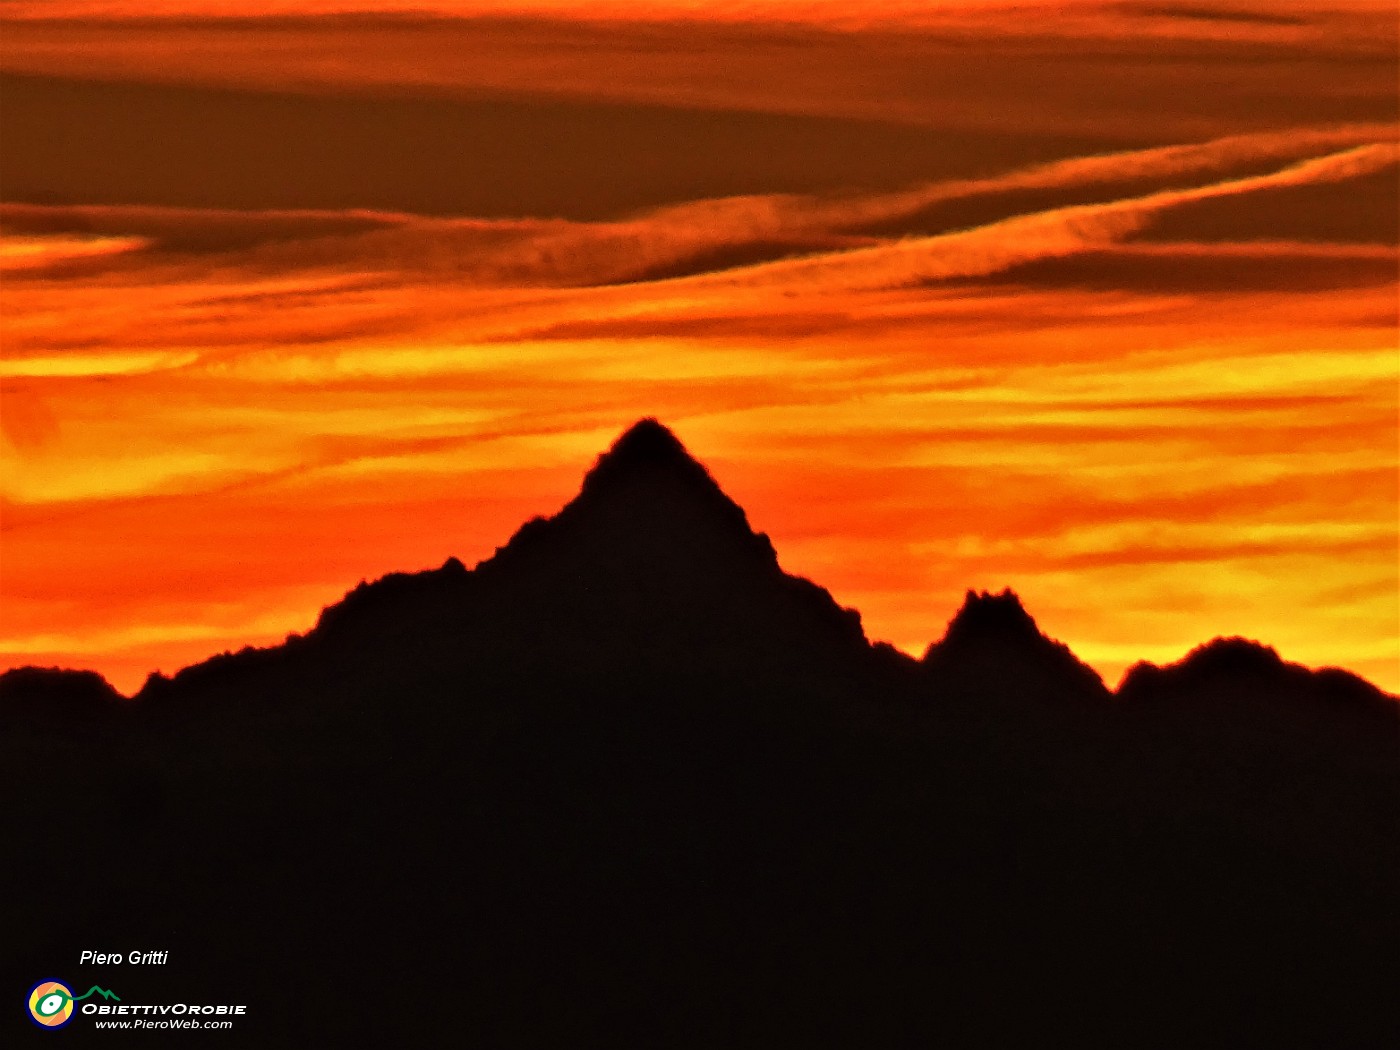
{"x": 51, "y": 1004}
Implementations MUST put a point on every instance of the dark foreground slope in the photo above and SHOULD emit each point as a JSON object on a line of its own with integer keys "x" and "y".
{"x": 628, "y": 784}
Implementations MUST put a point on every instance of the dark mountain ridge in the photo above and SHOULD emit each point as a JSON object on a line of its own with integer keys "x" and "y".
{"x": 673, "y": 551}
{"x": 626, "y": 782}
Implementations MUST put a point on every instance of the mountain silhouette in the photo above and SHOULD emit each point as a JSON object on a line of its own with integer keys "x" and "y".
{"x": 651, "y": 563}
{"x": 627, "y": 782}
{"x": 993, "y": 644}
{"x": 1243, "y": 667}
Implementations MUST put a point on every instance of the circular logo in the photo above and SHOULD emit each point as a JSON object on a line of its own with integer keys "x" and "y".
{"x": 51, "y": 1004}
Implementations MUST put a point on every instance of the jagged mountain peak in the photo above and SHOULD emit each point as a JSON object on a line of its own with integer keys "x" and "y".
{"x": 993, "y": 639}
{"x": 986, "y": 613}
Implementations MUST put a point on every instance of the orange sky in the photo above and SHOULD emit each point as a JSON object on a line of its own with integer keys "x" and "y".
{"x": 1099, "y": 304}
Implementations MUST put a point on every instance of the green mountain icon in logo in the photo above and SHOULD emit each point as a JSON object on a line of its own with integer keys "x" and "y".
{"x": 100, "y": 991}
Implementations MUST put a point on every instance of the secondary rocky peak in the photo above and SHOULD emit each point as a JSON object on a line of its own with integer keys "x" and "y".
{"x": 993, "y": 641}
{"x": 985, "y": 614}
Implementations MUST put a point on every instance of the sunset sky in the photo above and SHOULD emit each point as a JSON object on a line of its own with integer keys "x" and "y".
{"x": 1097, "y": 301}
